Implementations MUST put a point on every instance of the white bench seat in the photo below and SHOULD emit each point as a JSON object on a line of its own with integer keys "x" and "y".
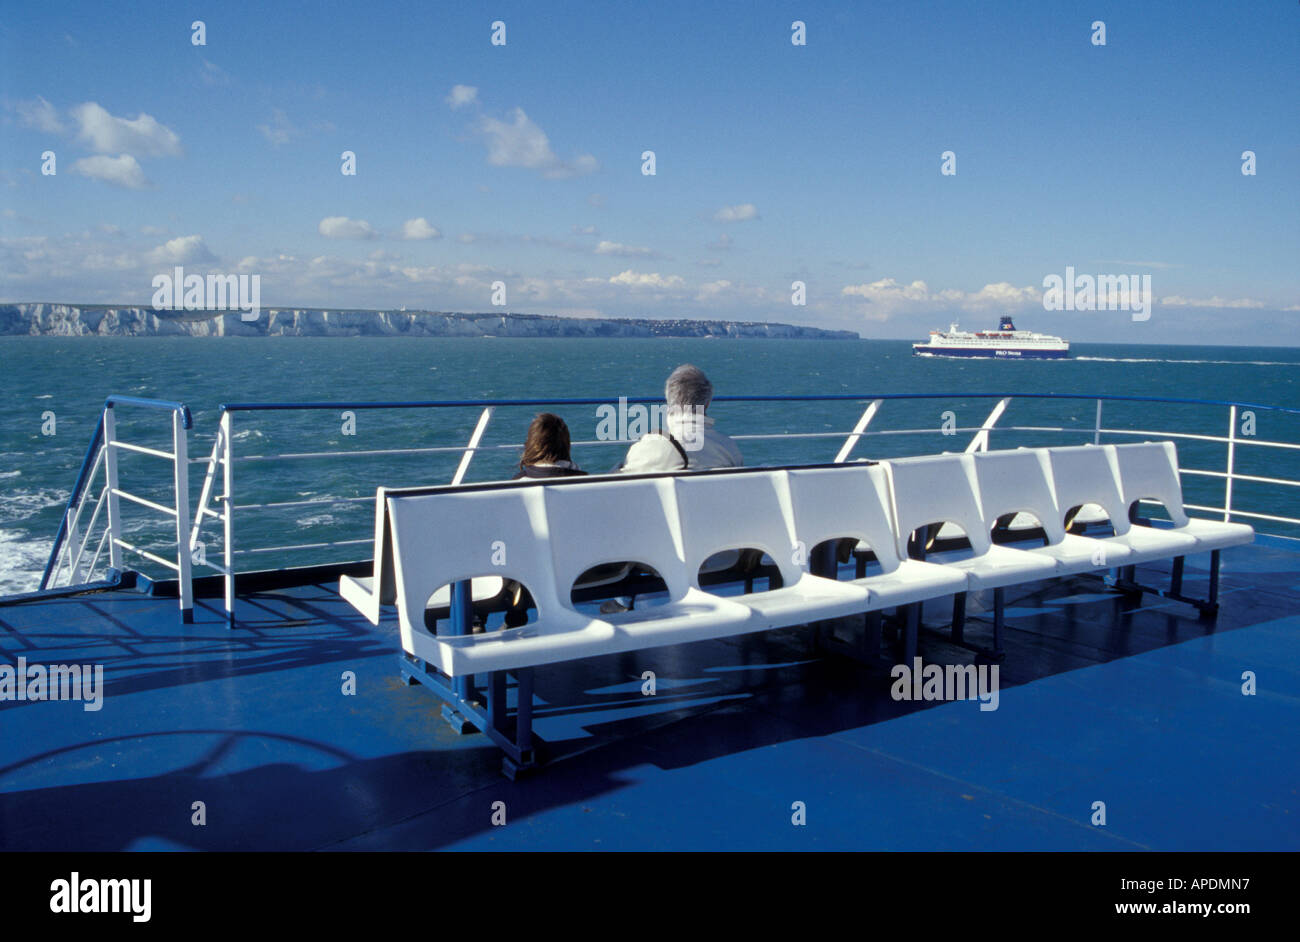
{"x": 572, "y": 636}
{"x": 943, "y": 488}
{"x": 1149, "y": 471}
{"x": 546, "y": 536}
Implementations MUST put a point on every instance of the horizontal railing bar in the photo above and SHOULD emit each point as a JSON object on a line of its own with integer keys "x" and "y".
{"x": 1244, "y": 513}
{"x": 1203, "y": 438}
{"x": 611, "y": 400}
{"x": 300, "y": 546}
{"x": 1241, "y": 477}
{"x": 147, "y": 555}
{"x": 365, "y": 454}
{"x": 143, "y": 450}
{"x": 186, "y": 420}
{"x": 306, "y": 503}
{"x": 170, "y": 511}
{"x": 1187, "y": 435}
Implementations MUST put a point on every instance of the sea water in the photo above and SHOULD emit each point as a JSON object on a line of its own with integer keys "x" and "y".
{"x": 55, "y": 387}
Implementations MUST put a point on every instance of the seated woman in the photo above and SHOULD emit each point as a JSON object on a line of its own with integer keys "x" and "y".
{"x": 546, "y": 449}
{"x": 546, "y": 455}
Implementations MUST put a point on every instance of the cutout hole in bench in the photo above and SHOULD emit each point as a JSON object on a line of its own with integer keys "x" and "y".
{"x": 838, "y": 558}
{"x": 631, "y": 582}
{"x": 1018, "y": 527}
{"x": 1143, "y": 516}
{"x": 493, "y": 595}
{"x": 1084, "y": 517}
{"x": 749, "y": 567}
{"x": 942, "y": 536}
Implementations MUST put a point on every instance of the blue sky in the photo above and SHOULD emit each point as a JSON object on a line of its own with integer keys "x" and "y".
{"x": 775, "y": 163}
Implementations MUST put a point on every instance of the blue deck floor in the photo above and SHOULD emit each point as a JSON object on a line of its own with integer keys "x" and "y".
{"x": 1137, "y": 705}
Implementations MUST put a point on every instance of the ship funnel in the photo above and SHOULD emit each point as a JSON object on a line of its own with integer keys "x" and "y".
{"x": 1006, "y": 323}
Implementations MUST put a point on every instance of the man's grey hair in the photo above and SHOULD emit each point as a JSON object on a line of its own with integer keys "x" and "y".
{"x": 688, "y": 388}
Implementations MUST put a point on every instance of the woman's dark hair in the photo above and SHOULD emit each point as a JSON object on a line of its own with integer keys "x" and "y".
{"x": 547, "y": 442}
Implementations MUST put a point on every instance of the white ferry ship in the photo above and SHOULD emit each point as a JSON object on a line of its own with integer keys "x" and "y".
{"x": 1006, "y": 341}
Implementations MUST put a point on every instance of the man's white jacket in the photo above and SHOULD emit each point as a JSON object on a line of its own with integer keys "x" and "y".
{"x": 705, "y": 447}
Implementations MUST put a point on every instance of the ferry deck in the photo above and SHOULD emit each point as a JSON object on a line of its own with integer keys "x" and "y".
{"x": 1133, "y": 701}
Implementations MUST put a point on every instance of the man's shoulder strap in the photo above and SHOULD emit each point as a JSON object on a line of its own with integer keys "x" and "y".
{"x": 686, "y": 461}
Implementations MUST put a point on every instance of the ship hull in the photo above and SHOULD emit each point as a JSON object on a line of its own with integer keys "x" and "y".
{"x": 989, "y": 353}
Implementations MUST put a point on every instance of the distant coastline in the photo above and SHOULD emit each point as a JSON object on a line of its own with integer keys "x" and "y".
{"x": 98, "y": 320}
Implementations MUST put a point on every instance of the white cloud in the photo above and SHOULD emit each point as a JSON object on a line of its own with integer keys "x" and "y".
{"x": 891, "y": 295}
{"x": 1175, "y": 300}
{"x": 341, "y": 227}
{"x": 180, "y": 251}
{"x": 141, "y": 136}
{"x": 624, "y": 251}
{"x": 280, "y": 130}
{"x": 888, "y": 288}
{"x": 462, "y": 96}
{"x": 213, "y": 75}
{"x": 519, "y": 142}
{"x": 419, "y": 229}
{"x": 739, "y": 213}
{"x": 39, "y": 114}
{"x": 712, "y": 289}
{"x": 723, "y": 243}
{"x": 467, "y": 238}
{"x": 120, "y": 171}
{"x": 646, "y": 280}
{"x": 585, "y": 230}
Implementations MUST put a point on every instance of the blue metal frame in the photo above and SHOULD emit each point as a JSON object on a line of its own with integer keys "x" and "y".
{"x": 462, "y": 707}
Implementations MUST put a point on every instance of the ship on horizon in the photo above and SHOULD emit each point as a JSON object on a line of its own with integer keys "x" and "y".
{"x": 1004, "y": 343}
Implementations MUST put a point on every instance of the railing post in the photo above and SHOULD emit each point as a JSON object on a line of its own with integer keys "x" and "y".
{"x": 205, "y": 495}
{"x": 863, "y": 421}
{"x": 474, "y": 439}
{"x": 981, "y": 440}
{"x": 1096, "y": 430}
{"x": 1232, "y": 456}
{"x": 228, "y": 515}
{"x": 181, "y": 481}
{"x": 78, "y": 490}
{"x": 110, "y": 474}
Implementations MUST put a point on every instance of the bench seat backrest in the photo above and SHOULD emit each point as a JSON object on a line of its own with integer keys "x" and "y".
{"x": 1018, "y": 481}
{"x": 737, "y": 511}
{"x": 934, "y": 489}
{"x": 845, "y": 502}
{"x": 1084, "y": 474}
{"x": 602, "y": 522}
{"x": 447, "y": 537}
{"x": 1150, "y": 470}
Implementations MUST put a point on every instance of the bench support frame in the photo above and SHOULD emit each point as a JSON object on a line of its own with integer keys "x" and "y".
{"x": 512, "y": 732}
{"x": 464, "y": 709}
{"x": 1124, "y": 579}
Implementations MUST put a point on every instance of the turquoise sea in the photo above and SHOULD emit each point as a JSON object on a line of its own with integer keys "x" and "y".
{"x": 70, "y": 377}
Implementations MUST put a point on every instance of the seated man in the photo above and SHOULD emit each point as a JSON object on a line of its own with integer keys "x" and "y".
{"x": 689, "y": 440}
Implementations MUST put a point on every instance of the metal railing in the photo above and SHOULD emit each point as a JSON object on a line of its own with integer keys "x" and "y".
{"x": 216, "y": 502}
{"x": 70, "y": 562}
